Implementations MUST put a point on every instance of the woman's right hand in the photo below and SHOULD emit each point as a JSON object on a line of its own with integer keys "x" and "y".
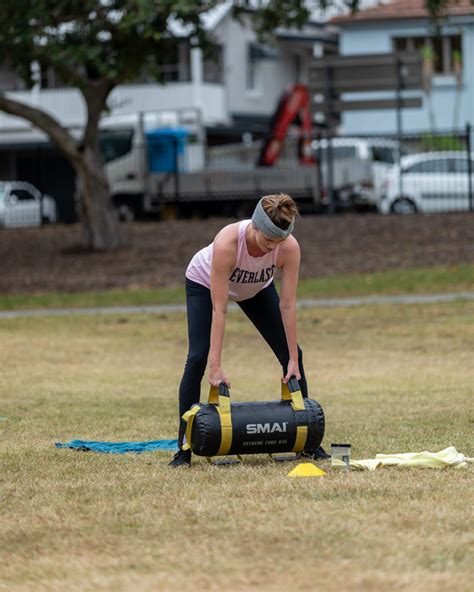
{"x": 216, "y": 376}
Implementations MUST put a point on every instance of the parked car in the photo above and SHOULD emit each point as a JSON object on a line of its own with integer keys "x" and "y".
{"x": 429, "y": 182}
{"x": 360, "y": 166}
{"x": 21, "y": 204}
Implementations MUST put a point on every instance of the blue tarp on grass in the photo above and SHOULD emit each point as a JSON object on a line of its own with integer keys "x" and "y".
{"x": 119, "y": 447}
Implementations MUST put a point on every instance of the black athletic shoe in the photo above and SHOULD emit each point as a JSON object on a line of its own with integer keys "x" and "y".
{"x": 318, "y": 454}
{"x": 181, "y": 459}
{"x": 321, "y": 454}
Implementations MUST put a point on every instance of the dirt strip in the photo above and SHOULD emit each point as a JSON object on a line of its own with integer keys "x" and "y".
{"x": 51, "y": 259}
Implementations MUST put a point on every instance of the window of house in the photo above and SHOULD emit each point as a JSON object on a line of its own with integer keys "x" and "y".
{"x": 9, "y": 80}
{"x": 46, "y": 77}
{"x": 446, "y": 50}
{"x": 172, "y": 64}
{"x": 168, "y": 73}
{"x": 184, "y": 62}
{"x": 251, "y": 72}
{"x": 298, "y": 67}
{"x": 168, "y": 65}
{"x": 213, "y": 65}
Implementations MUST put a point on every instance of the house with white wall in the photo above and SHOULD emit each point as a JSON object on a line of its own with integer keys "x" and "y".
{"x": 239, "y": 84}
{"x": 404, "y": 25}
{"x": 256, "y": 75}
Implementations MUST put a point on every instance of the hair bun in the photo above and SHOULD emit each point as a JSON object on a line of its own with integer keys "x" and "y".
{"x": 281, "y": 209}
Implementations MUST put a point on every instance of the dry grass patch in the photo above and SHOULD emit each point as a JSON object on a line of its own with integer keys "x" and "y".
{"x": 391, "y": 379}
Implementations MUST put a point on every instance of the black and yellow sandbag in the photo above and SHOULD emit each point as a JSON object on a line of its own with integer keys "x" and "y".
{"x": 219, "y": 427}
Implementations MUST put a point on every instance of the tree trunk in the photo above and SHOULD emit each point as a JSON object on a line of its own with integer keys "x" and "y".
{"x": 98, "y": 215}
{"x": 100, "y": 218}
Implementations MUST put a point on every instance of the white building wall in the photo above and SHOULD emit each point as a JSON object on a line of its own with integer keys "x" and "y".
{"x": 68, "y": 106}
{"x": 377, "y": 37}
{"x": 158, "y": 97}
{"x": 272, "y": 76}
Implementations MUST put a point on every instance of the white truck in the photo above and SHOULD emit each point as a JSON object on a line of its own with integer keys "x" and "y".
{"x": 159, "y": 161}
{"x": 359, "y": 168}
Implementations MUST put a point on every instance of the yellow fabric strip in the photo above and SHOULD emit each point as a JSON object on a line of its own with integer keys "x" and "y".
{"x": 285, "y": 392}
{"x": 223, "y": 408}
{"x": 213, "y": 395}
{"x": 297, "y": 401}
{"x": 188, "y": 417}
{"x": 301, "y": 435}
{"x": 296, "y": 397}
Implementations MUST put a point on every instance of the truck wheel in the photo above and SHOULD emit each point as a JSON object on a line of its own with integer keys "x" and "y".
{"x": 126, "y": 212}
{"x": 403, "y": 206}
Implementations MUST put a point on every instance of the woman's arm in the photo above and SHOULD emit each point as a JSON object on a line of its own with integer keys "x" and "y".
{"x": 289, "y": 260}
{"x": 223, "y": 260}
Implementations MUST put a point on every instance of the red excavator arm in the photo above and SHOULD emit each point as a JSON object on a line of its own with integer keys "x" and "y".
{"x": 293, "y": 103}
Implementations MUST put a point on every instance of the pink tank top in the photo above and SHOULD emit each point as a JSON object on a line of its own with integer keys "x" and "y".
{"x": 250, "y": 274}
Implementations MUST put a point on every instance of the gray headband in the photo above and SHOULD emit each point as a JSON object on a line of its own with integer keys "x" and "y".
{"x": 263, "y": 222}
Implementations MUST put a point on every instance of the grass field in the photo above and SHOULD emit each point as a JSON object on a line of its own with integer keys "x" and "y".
{"x": 409, "y": 281}
{"x": 391, "y": 379}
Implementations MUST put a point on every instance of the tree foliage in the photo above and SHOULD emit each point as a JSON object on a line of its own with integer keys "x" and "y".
{"x": 87, "y": 40}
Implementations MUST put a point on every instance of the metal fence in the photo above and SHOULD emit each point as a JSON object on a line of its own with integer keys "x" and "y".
{"x": 424, "y": 172}
{"x": 418, "y": 172}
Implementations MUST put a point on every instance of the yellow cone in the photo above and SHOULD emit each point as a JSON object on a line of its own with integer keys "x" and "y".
{"x": 306, "y": 470}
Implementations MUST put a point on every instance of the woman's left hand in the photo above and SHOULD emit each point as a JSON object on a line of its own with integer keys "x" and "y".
{"x": 293, "y": 370}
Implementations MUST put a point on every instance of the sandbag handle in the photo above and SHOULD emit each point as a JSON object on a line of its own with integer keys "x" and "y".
{"x": 291, "y": 392}
{"x": 223, "y": 390}
{"x": 216, "y": 392}
{"x": 220, "y": 397}
{"x": 293, "y": 384}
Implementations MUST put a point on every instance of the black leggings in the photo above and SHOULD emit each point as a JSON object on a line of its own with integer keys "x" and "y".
{"x": 264, "y": 312}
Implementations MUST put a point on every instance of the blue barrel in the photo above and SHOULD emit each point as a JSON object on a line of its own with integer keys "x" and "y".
{"x": 166, "y": 149}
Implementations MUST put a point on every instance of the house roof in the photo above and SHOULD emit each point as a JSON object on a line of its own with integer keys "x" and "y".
{"x": 402, "y": 10}
{"x": 210, "y": 19}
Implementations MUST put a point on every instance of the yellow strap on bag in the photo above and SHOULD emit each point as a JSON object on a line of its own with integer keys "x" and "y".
{"x": 219, "y": 396}
{"x": 213, "y": 395}
{"x": 188, "y": 417}
{"x": 301, "y": 435}
{"x": 291, "y": 392}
